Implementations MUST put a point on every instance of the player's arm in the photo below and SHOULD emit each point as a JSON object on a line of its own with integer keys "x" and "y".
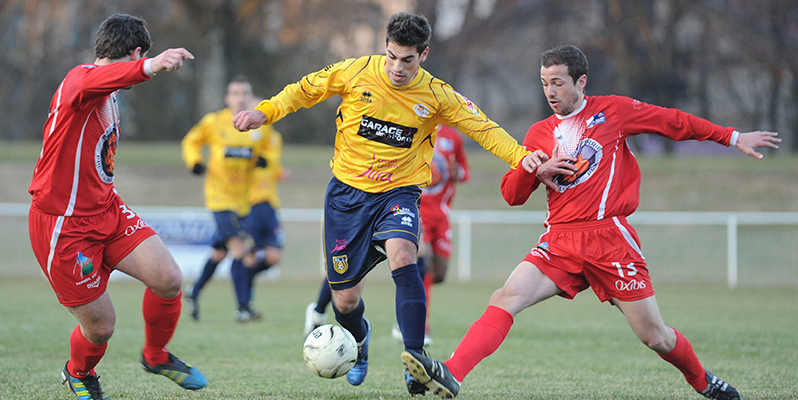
{"x": 194, "y": 141}
{"x": 312, "y": 89}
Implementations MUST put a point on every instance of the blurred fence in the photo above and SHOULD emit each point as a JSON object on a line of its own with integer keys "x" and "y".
{"x": 745, "y": 249}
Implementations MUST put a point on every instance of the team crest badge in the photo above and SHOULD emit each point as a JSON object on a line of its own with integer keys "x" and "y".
{"x": 340, "y": 263}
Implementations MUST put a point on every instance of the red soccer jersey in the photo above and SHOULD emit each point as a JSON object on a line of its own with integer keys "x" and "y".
{"x": 75, "y": 172}
{"x": 607, "y": 183}
{"x": 436, "y": 199}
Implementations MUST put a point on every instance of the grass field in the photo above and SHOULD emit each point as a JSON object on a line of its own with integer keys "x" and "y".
{"x": 559, "y": 349}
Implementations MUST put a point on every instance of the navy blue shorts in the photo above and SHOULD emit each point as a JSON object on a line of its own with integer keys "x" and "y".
{"x": 263, "y": 226}
{"x": 355, "y": 222}
{"x": 228, "y": 224}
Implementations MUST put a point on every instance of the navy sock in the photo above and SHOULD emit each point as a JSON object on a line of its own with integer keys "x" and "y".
{"x": 353, "y": 322}
{"x": 261, "y": 266}
{"x": 411, "y": 305}
{"x": 207, "y": 273}
{"x": 325, "y": 297}
{"x": 240, "y": 284}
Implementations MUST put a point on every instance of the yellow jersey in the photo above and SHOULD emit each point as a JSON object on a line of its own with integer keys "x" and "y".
{"x": 231, "y": 159}
{"x": 386, "y": 133}
{"x": 265, "y": 180}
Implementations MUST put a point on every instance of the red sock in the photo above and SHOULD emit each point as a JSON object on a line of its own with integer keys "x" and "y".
{"x": 482, "y": 339}
{"x": 83, "y": 354}
{"x": 428, "y": 290}
{"x": 160, "y": 322}
{"x": 683, "y": 357}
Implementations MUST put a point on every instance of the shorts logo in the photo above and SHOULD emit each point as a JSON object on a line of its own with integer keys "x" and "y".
{"x": 340, "y": 244}
{"x": 541, "y": 250}
{"x": 131, "y": 229}
{"x": 340, "y": 263}
{"x": 629, "y": 286}
{"x": 85, "y": 265}
{"x": 407, "y": 221}
{"x": 396, "y": 210}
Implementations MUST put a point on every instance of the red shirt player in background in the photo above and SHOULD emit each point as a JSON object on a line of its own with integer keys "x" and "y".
{"x": 80, "y": 230}
{"x": 449, "y": 167}
{"x": 593, "y": 184}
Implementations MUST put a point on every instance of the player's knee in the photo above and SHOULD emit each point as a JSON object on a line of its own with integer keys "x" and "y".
{"x": 100, "y": 334}
{"x": 438, "y": 277}
{"x": 657, "y": 343}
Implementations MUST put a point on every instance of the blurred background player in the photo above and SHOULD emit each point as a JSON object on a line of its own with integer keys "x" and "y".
{"x": 80, "y": 230}
{"x": 593, "y": 185}
{"x": 262, "y": 223}
{"x": 387, "y": 123}
{"x": 233, "y": 156}
{"x": 449, "y": 167}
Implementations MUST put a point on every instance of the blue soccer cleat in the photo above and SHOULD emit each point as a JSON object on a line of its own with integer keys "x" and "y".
{"x": 357, "y": 374}
{"x": 181, "y": 373}
{"x": 87, "y": 388}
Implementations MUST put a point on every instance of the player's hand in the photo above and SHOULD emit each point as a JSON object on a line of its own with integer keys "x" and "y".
{"x": 534, "y": 160}
{"x": 199, "y": 169}
{"x": 170, "y": 60}
{"x": 555, "y": 166}
{"x": 749, "y": 141}
{"x": 246, "y": 120}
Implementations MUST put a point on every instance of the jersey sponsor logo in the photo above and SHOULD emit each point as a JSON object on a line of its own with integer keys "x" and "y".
{"x": 588, "y": 156}
{"x": 386, "y": 132}
{"x": 366, "y": 97}
{"x": 596, "y": 119}
{"x": 421, "y": 110}
{"x": 84, "y": 264}
{"x": 468, "y": 103}
{"x": 374, "y": 173}
{"x": 340, "y": 263}
{"x": 238, "y": 152}
{"x": 629, "y": 286}
{"x": 105, "y": 153}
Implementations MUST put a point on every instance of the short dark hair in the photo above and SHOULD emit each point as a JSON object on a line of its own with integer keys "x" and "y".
{"x": 567, "y": 55}
{"x": 406, "y": 29}
{"x": 119, "y": 35}
{"x": 240, "y": 79}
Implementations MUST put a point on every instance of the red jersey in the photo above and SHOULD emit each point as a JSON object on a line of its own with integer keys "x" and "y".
{"x": 607, "y": 183}
{"x": 436, "y": 199}
{"x": 75, "y": 172}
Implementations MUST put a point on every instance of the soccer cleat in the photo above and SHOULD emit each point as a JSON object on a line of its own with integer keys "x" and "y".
{"x": 357, "y": 374}
{"x": 718, "y": 389}
{"x": 396, "y": 333}
{"x": 414, "y": 386}
{"x": 431, "y": 373}
{"x": 87, "y": 388}
{"x": 247, "y": 315}
{"x": 181, "y": 373}
{"x": 191, "y": 304}
{"x": 313, "y": 319}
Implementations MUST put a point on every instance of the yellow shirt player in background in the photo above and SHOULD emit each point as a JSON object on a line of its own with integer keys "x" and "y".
{"x": 262, "y": 223}
{"x": 387, "y": 124}
{"x": 233, "y": 158}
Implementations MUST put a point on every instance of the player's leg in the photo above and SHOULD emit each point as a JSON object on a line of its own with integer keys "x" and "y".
{"x": 192, "y": 295}
{"x": 152, "y": 264}
{"x": 316, "y": 312}
{"x": 349, "y": 308}
{"x": 526, "y": 286}
{"x": 88, "y": 343}
{"x": 646, "y": 321}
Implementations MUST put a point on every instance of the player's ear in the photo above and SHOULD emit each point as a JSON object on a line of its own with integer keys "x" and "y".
{"x": 423, "y": 56}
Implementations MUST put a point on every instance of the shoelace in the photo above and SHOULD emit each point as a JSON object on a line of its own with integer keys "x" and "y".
{"x": 716, "y": 387}
{"x": 92, "y": 384}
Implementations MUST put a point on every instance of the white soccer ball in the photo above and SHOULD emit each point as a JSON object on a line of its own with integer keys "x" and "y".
{"x": 330, "y": 351}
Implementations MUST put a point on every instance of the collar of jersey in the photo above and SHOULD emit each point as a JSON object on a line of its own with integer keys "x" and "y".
{"x": 577, "y": 111}
{"x": 387, "y": 81}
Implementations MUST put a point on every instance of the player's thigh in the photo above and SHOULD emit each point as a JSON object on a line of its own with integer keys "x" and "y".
{"x": 525, "y": 286}
{"x": 151, "y": 263}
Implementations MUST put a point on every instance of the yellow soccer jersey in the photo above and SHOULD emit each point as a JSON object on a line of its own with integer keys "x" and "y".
{"x": 232, "y": 158}
{"x": 265, "y": 180}
{"x": 386, "y": 133}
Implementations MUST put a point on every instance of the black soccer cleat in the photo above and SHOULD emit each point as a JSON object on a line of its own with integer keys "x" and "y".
{"x": 718, "y": 389}
{"x": 414, "y": 387}
{"x": 431, "y": 373}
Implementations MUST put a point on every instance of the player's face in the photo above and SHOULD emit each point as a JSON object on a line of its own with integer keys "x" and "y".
{"x": 564, "y": 96}
{"x": 239, "y": 97}
{"x": 401, "y": 63}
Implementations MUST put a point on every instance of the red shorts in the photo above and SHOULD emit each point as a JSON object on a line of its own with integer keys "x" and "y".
{"x": 438, "y": 235}
{"x": 604, "y": 255}
{"x": 77, "y": 254}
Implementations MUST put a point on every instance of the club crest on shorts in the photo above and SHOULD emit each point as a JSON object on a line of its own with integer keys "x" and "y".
{"x": 340, "y": 263}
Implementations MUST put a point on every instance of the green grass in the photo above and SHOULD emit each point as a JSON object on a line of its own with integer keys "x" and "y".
{"x": 559, "y": 349}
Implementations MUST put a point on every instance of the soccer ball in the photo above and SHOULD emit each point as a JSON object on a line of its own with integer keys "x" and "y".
{"x": 330, "y": 351}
